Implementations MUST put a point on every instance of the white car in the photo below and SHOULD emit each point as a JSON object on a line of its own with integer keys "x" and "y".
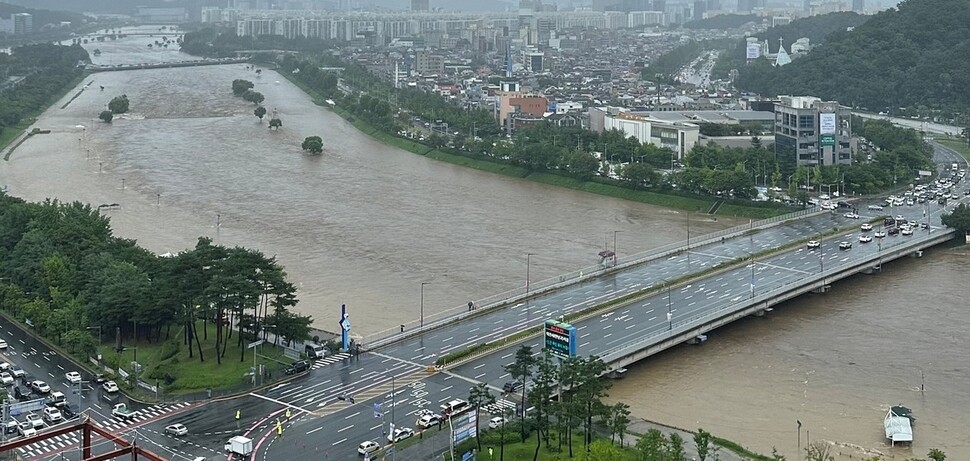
{"x": 17, "y": 371}
{"x": 845, "y": 245}
{"x": 400, "y": 434}
{"x": 26, "y": 429}
{"x": 880, "y": 234}
{"x": 906, "y": 231}
{"x": 52, "y": 414}
{"x": 866, "y": 227}
{"x": 110, "y": 387}
{"x": 865, "y": 238}
{"x": 40, "y": 387}
{"x": 427, "y": 421}
{"x": 367, "y": 447}
{"x": 875, "y": 207}
{"x": 6, "y": 378}
{"x": 497, "y": 422}
{"x": 177, "y": 430}
{"x": 812, "y": 244}
{"x": 73, "y": 377}
{"x": 35, "y": 420}
{"x": 851, "y": 215}
{"x": 3, "y": 344}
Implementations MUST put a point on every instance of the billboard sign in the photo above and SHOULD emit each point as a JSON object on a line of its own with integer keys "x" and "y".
{"x": 560, "y": 339}
{"x": 753, "y": 51}
{"x": 826, "y": 123}
{"x": 463, "y": 427}
{"x": 16, "y": 409}
{"x": 828, "y": 140}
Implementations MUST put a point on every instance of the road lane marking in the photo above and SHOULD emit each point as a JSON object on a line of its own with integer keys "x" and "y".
{"x": 339, "y": 441}
{"x": 314, "y": 430}
{"x": 344, "y": 429}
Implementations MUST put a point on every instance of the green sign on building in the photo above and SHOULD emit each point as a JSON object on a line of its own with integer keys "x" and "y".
{"x": 828, "y": 140}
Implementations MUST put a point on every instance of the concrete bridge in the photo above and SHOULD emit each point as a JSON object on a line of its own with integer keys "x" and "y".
{"x": 165, "y": 65}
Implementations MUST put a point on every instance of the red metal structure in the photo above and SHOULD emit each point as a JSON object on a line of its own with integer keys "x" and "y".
{"x": 122, "y": 447}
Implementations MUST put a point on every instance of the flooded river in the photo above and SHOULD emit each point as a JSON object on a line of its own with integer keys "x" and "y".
{"x": 366, "y": 224}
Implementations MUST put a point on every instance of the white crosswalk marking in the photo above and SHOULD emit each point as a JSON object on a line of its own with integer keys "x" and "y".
{"x": 67, "y": 441}
{"x": 339, "y": 357}
{"x": 498, "y": 406}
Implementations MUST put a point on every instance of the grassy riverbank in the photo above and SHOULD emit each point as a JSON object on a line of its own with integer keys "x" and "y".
{"x": 11, "y": 133}
{"x": 681, "y": 202}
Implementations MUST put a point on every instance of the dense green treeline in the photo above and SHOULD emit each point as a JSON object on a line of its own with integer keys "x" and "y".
{"x": 908, "y": 60}
{"x": 216, "y": 42}
{"x": 46, "y": 69}
{"x": 65, "y": 275}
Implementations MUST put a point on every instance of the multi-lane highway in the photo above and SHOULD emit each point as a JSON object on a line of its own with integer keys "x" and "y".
{"x": 315, "y": 410}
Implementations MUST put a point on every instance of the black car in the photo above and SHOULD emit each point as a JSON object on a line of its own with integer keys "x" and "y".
{"x": 22, "y": 393}
{"x": 297, "y": 367}
{"x": 844, "y": 204}
{"x": 69, "y": 411}
{"x": 892, "y": 230}
{"x": 512, "y": 386}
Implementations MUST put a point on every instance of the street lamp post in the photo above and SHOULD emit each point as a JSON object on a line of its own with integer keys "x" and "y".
{"x": 670, "y": 317}
{"x": 688, "y": 240}
{"x": 99, "y": 333}
{"x": 528, "y": 267}
{"x": 615, "y": 256}
{"x": 422, "y": 302}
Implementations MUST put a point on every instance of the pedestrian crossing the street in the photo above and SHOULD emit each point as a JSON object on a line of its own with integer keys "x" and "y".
{"x": 72, "y": 440}
{"x": 320, "y": 363}
{"x": 498, "y": 406}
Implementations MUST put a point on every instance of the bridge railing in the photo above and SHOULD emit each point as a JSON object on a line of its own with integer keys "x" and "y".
{"x": 757, "y": 296}
{"x": 539, "y": 287}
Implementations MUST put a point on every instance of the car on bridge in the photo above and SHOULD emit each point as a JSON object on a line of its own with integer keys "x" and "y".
{"x": 865, "y": 238}
{"x": 851, "y": 215}
{"x": 875, "y": 207}
{"x": 813, "y": 244}
{"x": 845, "y": 245}
{"x": 866, "y": 227}
{"x": 892, "y": 230}
{"x": 907, "y": 231}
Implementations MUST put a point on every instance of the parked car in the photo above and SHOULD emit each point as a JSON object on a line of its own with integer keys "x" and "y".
{"x": 26, "y": 429}
{"x": 17, "y": 372}
{"x": 53, "y": 415}
{"x": 400, "y": 434}
{"x": 428, "y": 420}
{"x": 497, "y": 422}
{"x": 35, "y": 420}
{"x": 6, "y": 378}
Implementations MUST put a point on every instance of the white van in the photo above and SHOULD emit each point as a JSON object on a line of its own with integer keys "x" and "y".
{"x": 316, "y": 351}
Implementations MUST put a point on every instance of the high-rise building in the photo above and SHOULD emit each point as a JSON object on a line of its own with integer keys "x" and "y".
{"x": 23, "y": 23}
{"x": 812, "y": 132}
{"x": 420, "y": 5}
{"x": 700, "y": 7}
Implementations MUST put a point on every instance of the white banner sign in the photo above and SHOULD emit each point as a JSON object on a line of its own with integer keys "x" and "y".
{"x": 826, "y": 123}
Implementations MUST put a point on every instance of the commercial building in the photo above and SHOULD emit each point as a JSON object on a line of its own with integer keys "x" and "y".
{"x": 812, "y": 131}
{"x": 680, "y": 137}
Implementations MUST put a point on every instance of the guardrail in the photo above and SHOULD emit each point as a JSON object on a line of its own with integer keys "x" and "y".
{"x": 432, "y": 321}
{"x": 767, "y": 297}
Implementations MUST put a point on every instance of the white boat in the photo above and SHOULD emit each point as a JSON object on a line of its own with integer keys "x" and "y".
{"x": 899, "y": 424}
